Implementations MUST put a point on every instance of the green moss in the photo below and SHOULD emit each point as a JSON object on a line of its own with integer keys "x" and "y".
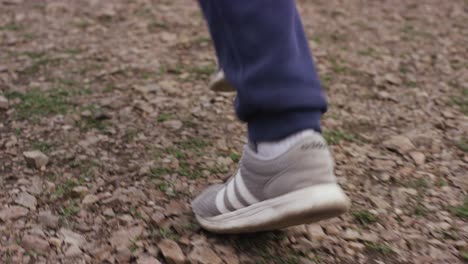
{"x": 235, "y": 157}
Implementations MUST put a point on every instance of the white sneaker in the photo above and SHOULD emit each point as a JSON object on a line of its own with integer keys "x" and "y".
{"x": 297, "y": 187}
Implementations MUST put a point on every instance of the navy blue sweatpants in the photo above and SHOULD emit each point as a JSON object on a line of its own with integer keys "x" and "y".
{"x": 263, "y": 50}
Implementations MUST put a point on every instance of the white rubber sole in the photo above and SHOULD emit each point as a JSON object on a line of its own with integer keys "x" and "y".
{"x": 219, "y": 83}
{"x": 304, "y": 206}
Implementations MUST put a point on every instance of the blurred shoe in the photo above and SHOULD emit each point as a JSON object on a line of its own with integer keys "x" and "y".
{"x": 219, "y": 83}
{"x": 296, "y": 187}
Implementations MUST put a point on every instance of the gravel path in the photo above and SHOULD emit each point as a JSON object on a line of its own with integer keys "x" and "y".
{"x": 108, "y": 130}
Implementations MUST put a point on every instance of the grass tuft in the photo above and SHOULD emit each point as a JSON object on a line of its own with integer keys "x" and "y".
{"x": 41, "y": 146}
{"x": 462, "y": 144}
{"x": 419, "y": 184}
{"x": 11, "y": 27}
{"x": 462, "y": 210}
{"x": 167, "y": 233}
{"x": 69, "y": 210}
{"x": 203, "y": 72}
{"x": 464, "y": 255}
{"x": 335, "y": 137}
{"x": 164, "y": 117}
{"x": 36, "y": 103}
{"x": 420, "y": 210}
{"x": 380, "y": 248}
{"x": 64, "y": 189}
{"x": 364, "y": 217}
{"x": 462, "y": 101}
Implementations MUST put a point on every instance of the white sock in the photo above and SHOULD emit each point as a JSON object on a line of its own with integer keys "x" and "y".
{"x": 273, "y": 149}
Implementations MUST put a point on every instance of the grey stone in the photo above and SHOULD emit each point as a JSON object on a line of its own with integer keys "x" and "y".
{"x": 13, "y": 213}
{"x": 35, "y": 243}
{"x": 26, "y": 200}
{"x": 48, "y": 219}
{"x": 4, "y": 104}
{"x": 203, "y": 254}
{"x": 171, "y": 252}
{"x": 35, "y": 158}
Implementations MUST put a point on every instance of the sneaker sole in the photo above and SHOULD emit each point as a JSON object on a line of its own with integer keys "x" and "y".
{"x": 304, "y": 206}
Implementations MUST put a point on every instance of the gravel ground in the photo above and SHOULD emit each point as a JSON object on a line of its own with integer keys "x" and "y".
{"x": 108, "y": 130}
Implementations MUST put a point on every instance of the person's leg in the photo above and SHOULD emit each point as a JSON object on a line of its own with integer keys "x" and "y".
{"x": 262, "y": 48}
{"x": 287, "y": 178}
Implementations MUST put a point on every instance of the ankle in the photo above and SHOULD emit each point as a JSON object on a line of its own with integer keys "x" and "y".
{"x": 279, "y": 126}
{"x": 273, "y": 149}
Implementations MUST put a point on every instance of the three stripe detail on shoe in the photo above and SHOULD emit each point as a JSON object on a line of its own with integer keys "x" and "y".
{"x": 234, "y": 195}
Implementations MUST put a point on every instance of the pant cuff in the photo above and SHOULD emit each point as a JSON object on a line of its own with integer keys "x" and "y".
{"x": 277, "y": 127}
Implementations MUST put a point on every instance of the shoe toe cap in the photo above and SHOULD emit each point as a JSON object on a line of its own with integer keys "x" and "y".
{"x": 205, "y": 203}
